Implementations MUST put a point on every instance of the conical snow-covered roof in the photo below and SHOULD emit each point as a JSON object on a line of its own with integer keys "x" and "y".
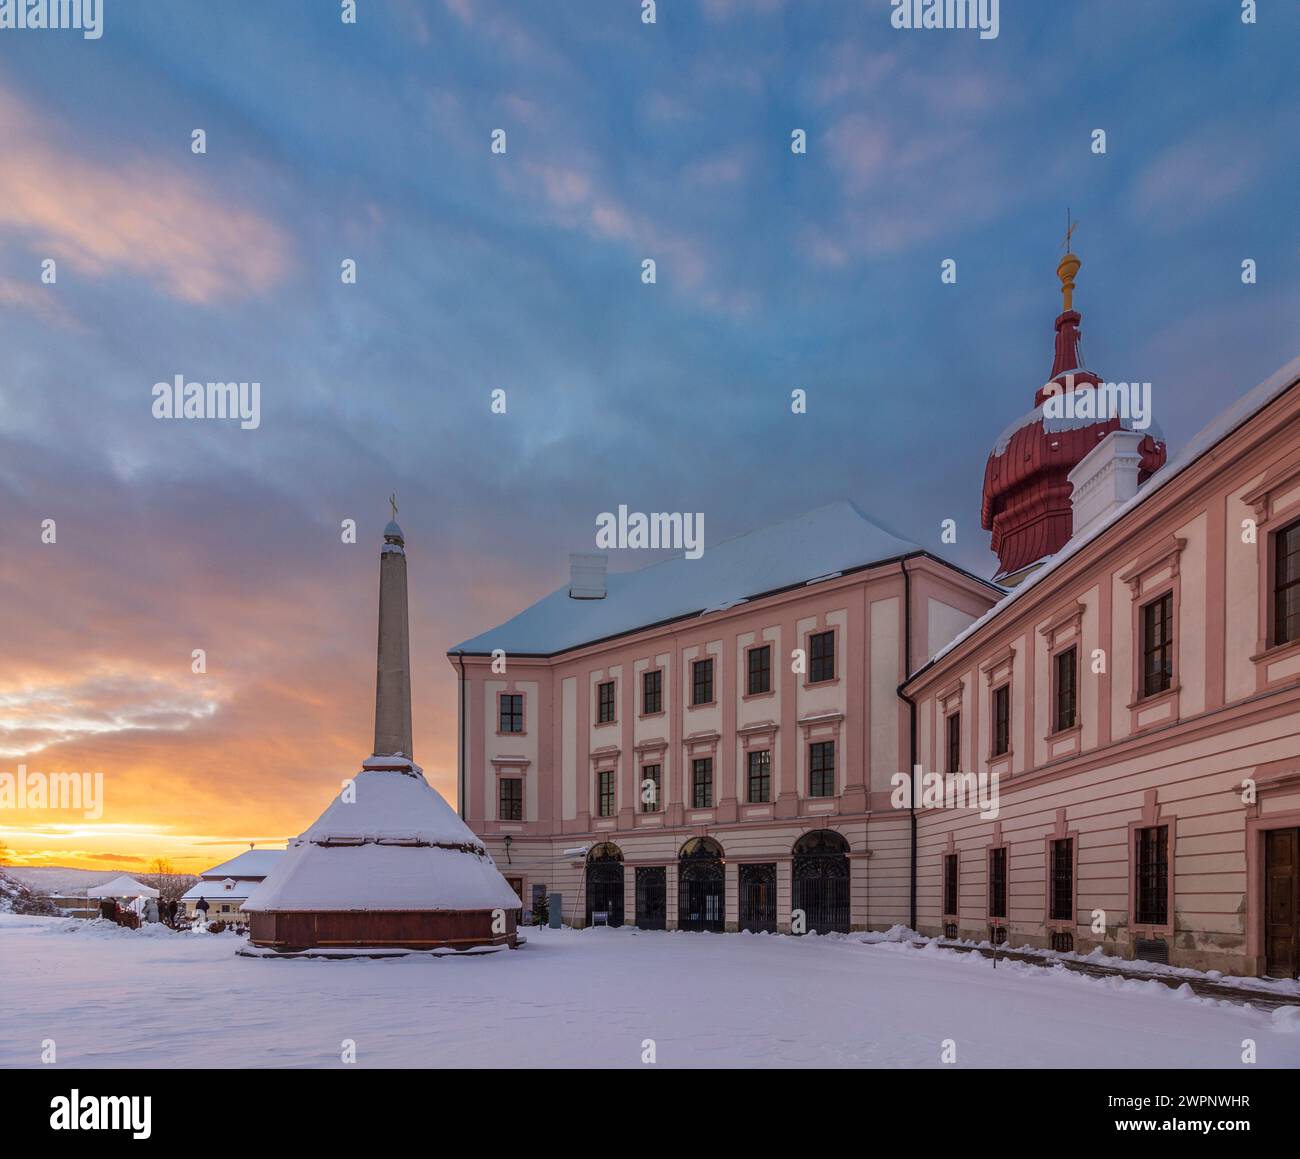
{"x": 389, "y": 842}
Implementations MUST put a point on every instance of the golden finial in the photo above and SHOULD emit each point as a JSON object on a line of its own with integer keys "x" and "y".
{"x": 1069, "y": 265}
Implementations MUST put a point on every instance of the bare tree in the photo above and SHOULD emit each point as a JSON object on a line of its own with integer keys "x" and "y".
{"x": 163, "y": 877}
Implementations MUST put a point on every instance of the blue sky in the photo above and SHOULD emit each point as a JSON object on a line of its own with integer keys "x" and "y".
{"x": 521, "y": 271}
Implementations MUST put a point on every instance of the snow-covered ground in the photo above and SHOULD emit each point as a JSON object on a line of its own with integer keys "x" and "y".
{"x": 111, "y": 997}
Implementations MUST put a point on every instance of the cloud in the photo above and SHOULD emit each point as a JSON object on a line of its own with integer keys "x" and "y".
{"x": 35, "y": 715}
{"x": 1195, "y": 178}
{"x": 135, "y": 215}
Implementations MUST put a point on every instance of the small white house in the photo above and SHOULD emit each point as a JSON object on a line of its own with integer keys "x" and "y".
{"x": 226, "y": 887}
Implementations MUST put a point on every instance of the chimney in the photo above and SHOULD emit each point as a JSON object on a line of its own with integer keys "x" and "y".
{"x": 1105, "y": 479}
{"x": 587, "y": 577}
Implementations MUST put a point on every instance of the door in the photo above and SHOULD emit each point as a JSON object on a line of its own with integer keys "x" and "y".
{"x": 651, "y": 897}
{"x": 758, "y": 898}
{"x": 821, "y": 881}
{"x": 605, "y": 885}
{"x": 1282, "y": 902}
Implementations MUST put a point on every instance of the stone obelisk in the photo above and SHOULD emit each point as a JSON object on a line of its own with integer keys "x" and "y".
{"x": 393, "y": 682}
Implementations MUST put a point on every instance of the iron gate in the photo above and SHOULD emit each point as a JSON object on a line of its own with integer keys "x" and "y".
{"x": 701, "y": 886}
{"x": 758, "y": 898}
{"x": 605, "y": 883}
{"x": 652, "y": 897}
{"x": 821, "y": 881}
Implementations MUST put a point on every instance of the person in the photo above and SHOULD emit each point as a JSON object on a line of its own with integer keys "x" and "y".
{"x": 108, "y": 909}
{"x": 201, "y": 911}
{"x": 151, "y": 910}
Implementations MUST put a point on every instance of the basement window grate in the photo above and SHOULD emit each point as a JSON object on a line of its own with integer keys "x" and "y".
{"x": 1062, "y": 941}
{"x": 1151, "y": 950}
{"x": 998, "y": 935}
{"x": 950, "y": 930}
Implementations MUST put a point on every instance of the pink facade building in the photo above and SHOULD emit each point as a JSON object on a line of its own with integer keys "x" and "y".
{"x": 719, "y": 743}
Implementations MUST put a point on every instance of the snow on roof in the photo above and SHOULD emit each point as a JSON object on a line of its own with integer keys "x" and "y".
{"x": 1073, "y": 402}
{"x": 397, "y": 846}
{"x": 122, "y": 886}
{"x": 254, "y": 863}
{"x": 1213, "y": 433}
{"x": 820, "y": 543}
{"x": 224, "y": 890}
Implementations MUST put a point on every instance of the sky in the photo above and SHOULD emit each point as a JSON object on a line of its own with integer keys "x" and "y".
{"x": 521, "y": 271}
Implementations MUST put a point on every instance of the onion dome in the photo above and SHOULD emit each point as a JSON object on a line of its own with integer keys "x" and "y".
{"x": 1026, "y": 503}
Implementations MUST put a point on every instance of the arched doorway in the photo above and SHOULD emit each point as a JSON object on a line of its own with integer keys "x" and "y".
{"x": 605, "y": 884}
{"x": 821, "y": 881}
{"x": 701, "y": 886}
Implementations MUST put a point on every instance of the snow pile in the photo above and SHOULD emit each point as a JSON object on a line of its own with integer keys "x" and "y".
{"x": 17, "y": 898}
{"x": 898, "y": 933}
{"x": 103, "y": 928}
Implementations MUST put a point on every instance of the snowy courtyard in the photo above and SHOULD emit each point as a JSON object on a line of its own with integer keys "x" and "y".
{"x": 111, "y": 997}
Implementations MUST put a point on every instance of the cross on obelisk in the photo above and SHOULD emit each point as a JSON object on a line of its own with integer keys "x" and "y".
{"x": 392, "y": 502}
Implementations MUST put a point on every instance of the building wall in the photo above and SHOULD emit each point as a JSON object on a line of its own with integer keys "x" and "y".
{"x": 564, "y": 747}
{"x": 1216, "y": 757}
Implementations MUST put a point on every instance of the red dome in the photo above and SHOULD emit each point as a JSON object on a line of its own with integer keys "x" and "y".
{"x": 1026, "y": 502}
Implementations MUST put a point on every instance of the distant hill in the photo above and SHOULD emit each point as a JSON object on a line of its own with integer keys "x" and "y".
{"x": 59, "y": 881}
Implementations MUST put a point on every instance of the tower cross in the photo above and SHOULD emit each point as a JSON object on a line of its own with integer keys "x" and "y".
{"x": 1070, "y": 227}
{"x": 392, "y": 502}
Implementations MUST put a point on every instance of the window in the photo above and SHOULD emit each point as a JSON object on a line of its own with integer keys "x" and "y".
{"x": 512, "y": 711}
{"x": 512, "y": 799}
{"x": 1062, "y": 881}
{"x": 605, "y": 702}
{"x": 1002, "y": 720}
{"x": 821, "y": 659}
{"x": 1158, "y": 645}
{"x": 702, "y": 783}
{"x": 760, "y": 669}
{"x": 998, "y": 883}
{"x": 950, "y": 883}
{"x": 650, "y": 793}
{"x": 606, "y": 785}
{"x": 1066, "y": 700}
{"x": 1152, "y": 876}
{"x": 954, "y": 742}
{"x": 760, "y": 777}
{"x": 1286, "y": 584}
{"x": 702, "y": 682}
{"x": 652, "y": 692}
{"x": 821, "y": 769}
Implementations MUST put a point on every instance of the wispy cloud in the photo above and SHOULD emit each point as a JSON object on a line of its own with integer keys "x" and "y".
{"x": 136, "y": 215}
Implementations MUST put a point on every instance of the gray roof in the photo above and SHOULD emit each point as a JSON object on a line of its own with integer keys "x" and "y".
{"x": 831, "y": 539}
